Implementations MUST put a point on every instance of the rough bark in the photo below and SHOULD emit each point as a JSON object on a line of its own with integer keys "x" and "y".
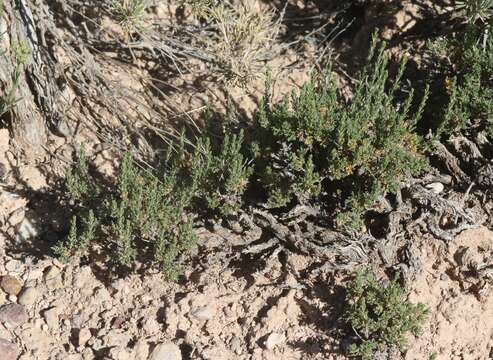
{"x": 27, "y": 117}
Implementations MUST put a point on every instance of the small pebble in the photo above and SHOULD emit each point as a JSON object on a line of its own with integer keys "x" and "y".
{"x": 237, "y": 228}
{"x": 274, "y": 340}
{"x": 13, "y": 266}
{"x": 53, "y": 278}
{"x": 28, "y": 296}
{"x": 166, "y": 351}
{"x": 51, "y": 317}
{"x": 84, "y": 336}
{"x": 13, "y": 314}
{"x": 11, "y": 285}
{"x": 8, "y": 350}
{"x": 435, "y": 187}
{"x": 236, "y": 345}
{"x": 203, "y": 313}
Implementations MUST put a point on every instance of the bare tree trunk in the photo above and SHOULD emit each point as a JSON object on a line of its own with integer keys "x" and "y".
{"x": 27, "y": 117}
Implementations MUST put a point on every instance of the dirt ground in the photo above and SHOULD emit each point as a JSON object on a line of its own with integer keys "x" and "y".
{"x": 228, "y": 303}
{"x": 459, "y": 325}
{"x": 229, "y": 306}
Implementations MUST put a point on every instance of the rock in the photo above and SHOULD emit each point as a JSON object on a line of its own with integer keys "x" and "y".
{"x": 121, "y": 287}
{"x": 78, "y": 320}
{"x": 273, "y": 340}
{"x": 82, "y": 277}
{"x": 235, "y": 345}
{"x": 216, "y": 353}
{"x": 87, "y": 354}
{"x": 4, "y": 140}
{"x": 71, "y": 357}
{"x": 39, "y": 341}
{"x": 151, "y": 326}
{"x": 34, "y": 274}
{"x": 53, "y": 278}
{"x": 203, "y": 313}
{"x": 26, "y": 230}
{"x": 13, "y": 314}
{"x": 16, "y": 217}
{"x": 51, "y": 317}
{"x": 8, "y": 350}
{"x": 118, "y": 322}
{"x": 116, "y": 338}
{"x": 33, "y": 177}
{"x": 141, "y": 350}
{"x": 83, "y": 337}
{"x": 435, "y": 187}
{"x": 117, "y": 353}
{"x": 166, "y": 351}
{"x": 12, "y": 208}
{"x": 3, "y": 298}
{"x": 237, "y": 228}
{"x": 28, "y": 296}
{"x": 14, "y": 266}
{"x": 11, "y": 285}
{"x": 101, "y": 294}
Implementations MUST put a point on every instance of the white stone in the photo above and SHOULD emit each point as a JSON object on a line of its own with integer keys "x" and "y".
{"x": 166, "y": 351}
{"x": 435, "y": 187}
{"x": 51, "y": 317}
{"x": 203, "y": 313}
{"x": 83, "y": 336}
{"x": 26, "y": 230}
{"x": 273, "y": 340}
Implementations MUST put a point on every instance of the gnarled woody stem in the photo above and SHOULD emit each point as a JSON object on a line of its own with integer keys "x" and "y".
{"x": 26, "y": 118}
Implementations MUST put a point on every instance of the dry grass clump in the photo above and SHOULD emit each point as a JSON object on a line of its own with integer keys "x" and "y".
{"x": 476, "y": 10}
{"x": 129, "y": 13}
{"x": 242, "y": 37}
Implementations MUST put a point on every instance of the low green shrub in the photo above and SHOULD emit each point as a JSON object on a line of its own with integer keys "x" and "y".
{"x": 222, "y": 175}
{"x": 314, "y": 136}
{"x": 468, "y": 64}
{"x": 153, "y": 211}
{"x": 380, "y": 315}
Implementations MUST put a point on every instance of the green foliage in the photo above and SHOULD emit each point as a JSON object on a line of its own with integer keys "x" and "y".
{"x": 151, "y": 211}
{"x": 148, "y": 208}
{"x": 222, "y": 177}
{"x": 82, "y": 192}
{"x": 78, "y": 181}
{"x": 367, "y": 143}
{"x": 380, "y": 314}
{"x": 76, "y": 244}
{"x": 129, "y": 13}
{"x": 469, "y": 84}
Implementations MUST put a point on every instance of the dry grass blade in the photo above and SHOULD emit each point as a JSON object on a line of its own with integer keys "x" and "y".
{"x": 476, "y": 9}
{"x": 244, "y": 38}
